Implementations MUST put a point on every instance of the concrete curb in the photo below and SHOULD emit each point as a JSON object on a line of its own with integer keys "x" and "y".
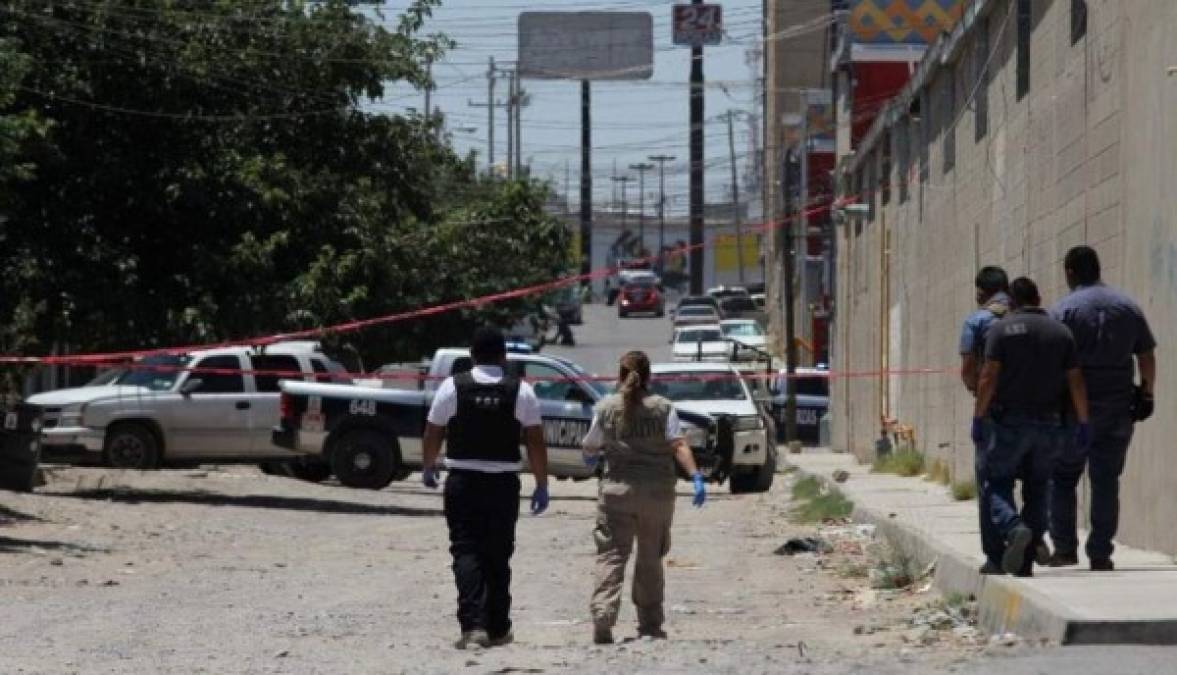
{"x": 1007, "y": 604}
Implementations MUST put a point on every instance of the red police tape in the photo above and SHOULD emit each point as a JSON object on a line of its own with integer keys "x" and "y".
{"x": 110, "y": 358}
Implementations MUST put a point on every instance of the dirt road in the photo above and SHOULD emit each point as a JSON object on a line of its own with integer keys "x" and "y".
{"x": 228, "y": 570}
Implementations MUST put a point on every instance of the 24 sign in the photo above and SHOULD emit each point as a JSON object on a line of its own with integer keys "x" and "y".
{"x": 698, "y": 25}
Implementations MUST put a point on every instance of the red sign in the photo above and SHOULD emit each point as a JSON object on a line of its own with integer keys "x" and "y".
{"x": 698, "y": 25}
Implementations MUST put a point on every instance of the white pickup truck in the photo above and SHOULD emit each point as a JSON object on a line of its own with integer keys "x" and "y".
{"x": 207, "y": 406}
{"x": 371, "y": 435}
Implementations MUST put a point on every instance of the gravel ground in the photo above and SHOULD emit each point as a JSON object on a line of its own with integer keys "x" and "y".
{"x": 228, "y": 570}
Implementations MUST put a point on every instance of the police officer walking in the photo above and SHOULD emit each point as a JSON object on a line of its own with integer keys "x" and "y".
{"x": 993, "y": 303}
{"x": 1030, "y": 365}
{"x": 482, "y": 414}
{"x": 640, "y": 436}
{"x": 1109, "y": 329}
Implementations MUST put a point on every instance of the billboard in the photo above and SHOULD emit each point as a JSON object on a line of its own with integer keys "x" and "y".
{"x": 891, "y": 22}
{"x": 586, "y": 45}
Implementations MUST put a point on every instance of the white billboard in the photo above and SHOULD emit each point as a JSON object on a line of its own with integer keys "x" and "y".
{"x": 586, "y": 45}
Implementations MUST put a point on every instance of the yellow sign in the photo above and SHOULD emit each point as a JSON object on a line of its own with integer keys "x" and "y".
{"x": 726, "y": 258}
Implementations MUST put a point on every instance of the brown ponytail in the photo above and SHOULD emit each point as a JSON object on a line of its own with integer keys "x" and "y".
{"x": 634, "y": 378}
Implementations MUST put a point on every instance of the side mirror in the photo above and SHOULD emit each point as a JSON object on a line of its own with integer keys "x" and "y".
{"x": 191, "y": 385}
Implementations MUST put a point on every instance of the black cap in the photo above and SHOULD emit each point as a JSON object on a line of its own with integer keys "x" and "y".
{"x": 488, "y": 345}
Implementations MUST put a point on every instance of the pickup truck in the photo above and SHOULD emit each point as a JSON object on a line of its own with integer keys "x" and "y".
{"x": 371, "y": 436}
{"x": 205, "y": 406}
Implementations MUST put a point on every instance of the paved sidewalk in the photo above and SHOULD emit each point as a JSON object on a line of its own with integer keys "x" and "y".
{"x": 1135, "y": 604}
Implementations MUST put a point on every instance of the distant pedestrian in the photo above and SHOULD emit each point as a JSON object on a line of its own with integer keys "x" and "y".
{"x": 1114, "y": 341}
{"x": 993, "y": 302}
{"x": 640, "y": 436}
{"x": 482, "y": 414}
{"x": 1031, "y": 366}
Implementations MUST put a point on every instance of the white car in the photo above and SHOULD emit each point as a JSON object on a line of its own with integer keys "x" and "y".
{"x": 701, "y": 343}
{"x": 217, "y": 405}
{"x": 719, "y": 390}
{"x": 746, "y": 332}
{"x": 696, "y": 314}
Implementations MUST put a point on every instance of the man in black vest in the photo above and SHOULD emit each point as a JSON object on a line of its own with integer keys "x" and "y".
{"x": 483, "y": 413}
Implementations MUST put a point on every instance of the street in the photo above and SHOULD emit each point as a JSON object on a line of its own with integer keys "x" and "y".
{"x": 224, "y": 569}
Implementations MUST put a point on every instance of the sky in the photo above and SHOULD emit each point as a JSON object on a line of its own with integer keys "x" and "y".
{"x": 631, "y": 120}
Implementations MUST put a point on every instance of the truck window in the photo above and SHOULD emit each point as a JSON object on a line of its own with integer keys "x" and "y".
{"x": 273, "y": 363}
{"x": 220, "y": 383}
{"x": 552, "y": 384}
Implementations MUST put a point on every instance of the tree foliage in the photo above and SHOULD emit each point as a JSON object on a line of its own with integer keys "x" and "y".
{"x": 182, "y": 171}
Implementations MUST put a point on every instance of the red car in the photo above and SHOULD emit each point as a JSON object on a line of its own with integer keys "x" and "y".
{"x": 641, "y": 297}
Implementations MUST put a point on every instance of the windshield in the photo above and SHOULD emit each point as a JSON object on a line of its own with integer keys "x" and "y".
{"x": 143, "y": 375}
{"x": 699, "y": 386}
{"x": 595, "y": 384}
{"x": 808, "y": 384}
{"x": 709, "y": 335}
{"x": 696, "y": 310}
{"x": 742, "y": 330}
{"x": 738, "y": 304}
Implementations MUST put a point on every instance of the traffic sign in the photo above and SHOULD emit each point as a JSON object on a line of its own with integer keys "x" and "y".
{"x": 698, "y": 25}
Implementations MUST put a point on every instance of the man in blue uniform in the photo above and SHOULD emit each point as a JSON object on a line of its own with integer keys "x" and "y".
{"x": 993, "y": 302}
{"x": 483, "y": 414}
{"x": 1114, "y": 340}
{"x": 1030, "y": 367}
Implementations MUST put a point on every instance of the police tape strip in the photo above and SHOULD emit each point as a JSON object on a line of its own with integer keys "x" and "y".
{"x": 355, "y": 326}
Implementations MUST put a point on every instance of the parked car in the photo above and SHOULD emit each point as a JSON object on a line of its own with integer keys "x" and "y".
{"x": 747, "y": 332}
{"x": 696, "y": 300}
{"x": 721, "y": 292}
{"x": 701, "y": 343}
{"x": 813, "y": 400}
{"x": 760, "y": 300}
{"x": 719, "y": 391}
{"x": 696, "y": 314}
{"x": 372, "y": 436}
{"x": 205, "y": 406}
{"x": 641, "y": 297}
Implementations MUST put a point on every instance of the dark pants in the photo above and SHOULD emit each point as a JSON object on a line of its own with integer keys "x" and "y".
{"x": 1111, "y": 434}
{"x": 1024, "y": 447}
{"x": 992, "y": 543}
{"x": 481, "y": 510}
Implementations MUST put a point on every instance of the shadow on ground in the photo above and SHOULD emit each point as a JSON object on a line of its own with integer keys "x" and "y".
{"x": 11, "y": 545}
{"x": 129, "y": 496}
{"x": 9, "y": 516}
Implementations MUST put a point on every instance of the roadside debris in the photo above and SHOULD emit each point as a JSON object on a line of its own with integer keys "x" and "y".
{"x": 804, "y": 545}
{"x": 841, "y": 476}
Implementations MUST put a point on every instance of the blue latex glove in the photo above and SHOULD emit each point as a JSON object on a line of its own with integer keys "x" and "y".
{"x": 978, "y": 431}
{"x": 429, "y": 476}
{"x": 700, "y": 490}
{"x": 539, "y": 500}
{"x": 1083, "y": 435}
{"x": 590, "y": 460}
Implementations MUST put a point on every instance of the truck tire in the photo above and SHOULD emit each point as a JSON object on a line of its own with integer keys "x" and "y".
{"x": 365, "y": 459}
{"x": 759, "y": 480}
{"x": 131, "y": 446}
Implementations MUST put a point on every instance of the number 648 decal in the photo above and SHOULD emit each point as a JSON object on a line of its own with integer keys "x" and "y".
{"x": 363, "y": 408}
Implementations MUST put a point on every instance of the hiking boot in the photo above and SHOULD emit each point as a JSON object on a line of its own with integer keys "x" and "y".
{"x": 1016, "y": 547}
{"x": 602, "y": 635}
{"x": 991, "y": 568}
{"x": 1042, "y": 554}
{"x": 502, "y": 640}
{"x": 1103, "y": 565}
{"x": 473, "y": 639}
{"x": 1063, "y": 560}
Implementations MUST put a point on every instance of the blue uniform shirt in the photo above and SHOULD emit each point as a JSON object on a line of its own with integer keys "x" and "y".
{"x": 976, "y": 326}
{"x": 1109, "y": 329}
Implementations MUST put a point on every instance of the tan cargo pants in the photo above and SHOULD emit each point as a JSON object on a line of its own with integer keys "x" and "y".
{"x": 623, "y": 513}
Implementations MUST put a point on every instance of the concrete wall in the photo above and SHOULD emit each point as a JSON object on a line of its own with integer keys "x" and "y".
{"x": 1088, "y": 155}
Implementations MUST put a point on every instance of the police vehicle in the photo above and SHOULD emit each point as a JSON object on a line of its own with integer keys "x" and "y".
{"x": 371, "y": 435}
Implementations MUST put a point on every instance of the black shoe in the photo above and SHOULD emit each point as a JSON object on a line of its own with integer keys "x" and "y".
{"x": 1103, "y": 565}
{"x": 1042, "y": 554}
{"x": 1063, "y": 560}
{"x": 991, "y": 568}
{"x": 1016, "y": 547}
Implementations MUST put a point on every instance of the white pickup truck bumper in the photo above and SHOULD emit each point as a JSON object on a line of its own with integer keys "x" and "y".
{"x": 91, "y": 440}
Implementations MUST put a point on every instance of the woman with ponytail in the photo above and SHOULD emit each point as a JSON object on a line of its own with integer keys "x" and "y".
{"x": 640, "y": 438}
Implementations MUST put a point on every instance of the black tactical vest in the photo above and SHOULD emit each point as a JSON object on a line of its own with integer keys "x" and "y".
{"x": 484, "y": 427}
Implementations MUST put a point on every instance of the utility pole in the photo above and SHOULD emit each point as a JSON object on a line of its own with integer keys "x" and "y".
{"x": 586, "y": 181}
{"x": 661, "y": 160}
{"x": 567, "y": 187}
{"x": 512, "y": 110}
{"x": 520, "y": 102}
{"x": 428, "y": 88}
{"x": 624, "y": 181}
{"x": 490, "y": 106}
{"x": 696, "y": 121}
{"x": 791, "y": 212}
{"x": 731, "y": 145}
{"x": 642, "y": 168}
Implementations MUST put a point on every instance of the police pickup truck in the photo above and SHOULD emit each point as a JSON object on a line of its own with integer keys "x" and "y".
{"x": 371, "y": 436}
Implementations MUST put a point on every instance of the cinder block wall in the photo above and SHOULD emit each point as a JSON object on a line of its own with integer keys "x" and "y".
{"x": 1089, "y": 154}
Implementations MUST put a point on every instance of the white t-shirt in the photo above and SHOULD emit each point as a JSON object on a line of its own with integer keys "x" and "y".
{"x": 445, "y": 406}
{"x": 595, "y": 438}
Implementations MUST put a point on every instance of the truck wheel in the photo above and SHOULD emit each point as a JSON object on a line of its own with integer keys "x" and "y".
{"x": 131, "y": 446}
{"x": 759, "y": 480}
{"x": 365, "y": 459}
